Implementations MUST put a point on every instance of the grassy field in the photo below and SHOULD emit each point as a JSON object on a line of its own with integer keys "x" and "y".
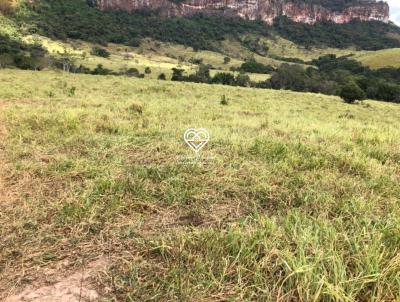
{"x": 294, "y": 198}
{"x": 381, "y": 58}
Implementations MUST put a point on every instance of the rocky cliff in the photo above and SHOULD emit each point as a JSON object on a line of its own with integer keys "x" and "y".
{"x": 308, "y": 11}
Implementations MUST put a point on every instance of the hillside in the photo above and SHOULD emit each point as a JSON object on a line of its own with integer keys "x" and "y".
{"x": 295, "y": 197}
{"x": 76, "y": 19}
{"x": 381, "y": 58}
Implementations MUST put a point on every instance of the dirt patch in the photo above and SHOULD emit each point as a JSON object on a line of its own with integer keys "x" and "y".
{"x": 52, "y": 285}
{"x": 165, "y": 221}
{"x": 76, "y": 287}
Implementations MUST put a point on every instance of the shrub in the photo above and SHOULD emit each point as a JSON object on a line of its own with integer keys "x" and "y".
{"x": 132, "y": 72}
{"x": 223, "y": 78}
{"x": 177, "y": 74}
{"x": 100, "y": 52}
{"x": 147, "y": 70}
{"x": 227, "y": 60}
{"x": 196, "y": 61}
{"x": 242, "y": 80}
{"x": 201, "y": 76}
{"x": 162, "y": 77}
{"x": 100, "y": 70}
{"x": 352, "y": 92}
{"x": 136, "y": 108}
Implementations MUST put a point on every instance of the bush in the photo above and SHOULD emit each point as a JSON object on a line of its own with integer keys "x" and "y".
{"x": 100, "y": 52}
{"x": 147, "y": 70}
{"x": 136, "y": 108}
{"x": 227, "y": 60}
{"x": 162, "y": 77}
{"x": 132, "y": 72}
{"x": 196, "y": 61}
{"x": 201, "y": 76}
{"x": 223, "y": 78}
{"x": 100, "y": 70}
{"x": 242, "y": 80}
{"x": 351, "y": 93}
{"x": 177, "y": 74}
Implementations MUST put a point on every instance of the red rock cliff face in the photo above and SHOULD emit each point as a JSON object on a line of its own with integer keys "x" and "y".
{"x": 266, "y": 10}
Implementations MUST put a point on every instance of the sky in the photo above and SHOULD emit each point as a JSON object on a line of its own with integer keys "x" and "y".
{"x": 394, "y": 11}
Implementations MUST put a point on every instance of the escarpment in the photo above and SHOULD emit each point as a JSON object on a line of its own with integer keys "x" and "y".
{"x": 307, "y": 11}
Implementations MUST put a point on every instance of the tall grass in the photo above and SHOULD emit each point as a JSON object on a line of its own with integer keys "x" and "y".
{"x": 294, "y": 198}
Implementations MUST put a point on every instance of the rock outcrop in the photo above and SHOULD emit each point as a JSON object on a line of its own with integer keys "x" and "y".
{"x": 307, "y": 11}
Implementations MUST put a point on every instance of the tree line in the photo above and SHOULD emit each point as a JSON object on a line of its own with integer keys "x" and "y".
{"x": 343, "y": 76}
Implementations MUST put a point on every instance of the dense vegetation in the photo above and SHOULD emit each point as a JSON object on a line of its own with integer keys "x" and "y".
{"x": 330, "y": 75}
{"x": 79, "y": 19}
{"x": 14, "y": 53}
{"x": 255, "y": 67}
{"x": 342, "y": 76}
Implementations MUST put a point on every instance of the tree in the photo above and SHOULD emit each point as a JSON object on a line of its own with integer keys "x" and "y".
{"x": 292, "y": 77}
{"x": 147, "y": 70}
{"x": 68, "y": 60}
{"x": 352, "y": 92}
{"x": 227, "y": 60}
{"x": 162, "y": 77}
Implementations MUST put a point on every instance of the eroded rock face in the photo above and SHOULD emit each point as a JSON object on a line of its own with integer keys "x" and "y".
{"x": 266, "y": 10}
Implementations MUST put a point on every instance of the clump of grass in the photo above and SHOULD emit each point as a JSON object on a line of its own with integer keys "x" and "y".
{"x": 224, "y": 100}
{"x": 347, "y": 115}
{"x": 71, "y": 91}
{"x": 136, "y": 108}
